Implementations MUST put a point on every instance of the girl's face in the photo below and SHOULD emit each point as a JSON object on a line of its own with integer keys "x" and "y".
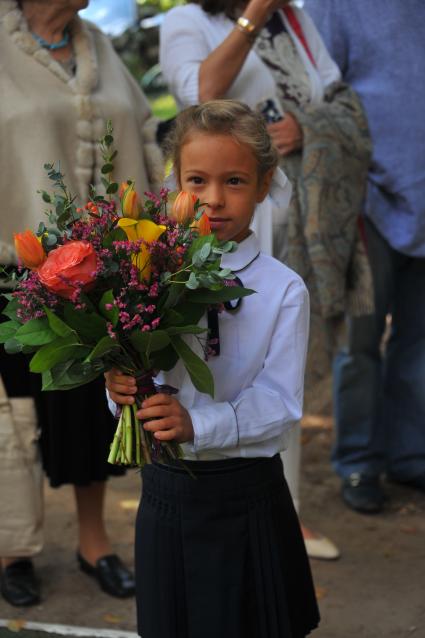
{"x": 223, "y": 174}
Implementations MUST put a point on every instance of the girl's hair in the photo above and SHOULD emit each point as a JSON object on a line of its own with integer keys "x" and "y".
{"x": 228, "y": 7}
{"x": 223, "y": 117}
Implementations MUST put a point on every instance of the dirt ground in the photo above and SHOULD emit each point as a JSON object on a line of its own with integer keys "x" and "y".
{"x": 375, "y": 590}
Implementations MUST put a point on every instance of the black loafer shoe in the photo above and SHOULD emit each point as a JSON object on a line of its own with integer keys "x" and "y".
{"x": 19, "y": 585}
{"x": 363, "y": 493}
{"x": 111, "y": 574}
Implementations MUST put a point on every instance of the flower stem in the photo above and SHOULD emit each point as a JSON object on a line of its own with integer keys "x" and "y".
{"x": 116, "y": 443}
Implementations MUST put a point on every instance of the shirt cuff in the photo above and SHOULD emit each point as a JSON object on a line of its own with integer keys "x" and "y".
{"x": 214, "y": 426}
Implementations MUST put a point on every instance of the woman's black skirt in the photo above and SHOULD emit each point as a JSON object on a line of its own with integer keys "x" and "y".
{"x": 222, "y": 555}
{"x": 77, "y": 427}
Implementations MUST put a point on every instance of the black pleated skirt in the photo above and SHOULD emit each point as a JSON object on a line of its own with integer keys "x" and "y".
{"x": 222, "y": 555}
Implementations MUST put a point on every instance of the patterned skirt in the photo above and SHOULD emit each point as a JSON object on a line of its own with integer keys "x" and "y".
{"x": 221, "y": 555}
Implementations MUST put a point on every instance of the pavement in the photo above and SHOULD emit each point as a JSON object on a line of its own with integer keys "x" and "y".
{"x": 375, "y": 590}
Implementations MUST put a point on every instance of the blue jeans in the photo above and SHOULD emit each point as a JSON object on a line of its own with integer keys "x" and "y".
{"x": 379, "y": 398}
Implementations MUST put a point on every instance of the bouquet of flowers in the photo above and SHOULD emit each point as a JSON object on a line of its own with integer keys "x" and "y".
{"x": 117, "y": 283}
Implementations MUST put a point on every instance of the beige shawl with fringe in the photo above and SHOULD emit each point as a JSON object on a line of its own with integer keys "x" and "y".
{"x": 48, "y": 115}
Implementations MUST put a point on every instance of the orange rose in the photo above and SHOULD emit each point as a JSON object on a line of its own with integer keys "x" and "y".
{"x": 203, "y": 225}
{"x": 29, "y": 249}
{"x": 68, "y": 267}
{"x": 183, "y": 209}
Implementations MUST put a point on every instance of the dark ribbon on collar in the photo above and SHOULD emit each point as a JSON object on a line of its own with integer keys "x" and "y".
{"x": 213, "y": 324}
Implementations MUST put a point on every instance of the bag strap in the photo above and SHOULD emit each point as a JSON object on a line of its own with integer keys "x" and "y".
{"x": 298, "y": 30}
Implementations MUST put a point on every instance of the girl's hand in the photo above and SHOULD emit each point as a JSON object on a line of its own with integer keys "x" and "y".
{"x": 286, "y": 134}
{"x": 170, "y": 420}
{"x": 120, "y": 386}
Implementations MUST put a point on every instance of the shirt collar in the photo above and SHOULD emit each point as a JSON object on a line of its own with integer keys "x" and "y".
{"x": 246, "y": 252}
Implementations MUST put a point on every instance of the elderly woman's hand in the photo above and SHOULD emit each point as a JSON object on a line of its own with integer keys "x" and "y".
{"x": 286, "y": 134}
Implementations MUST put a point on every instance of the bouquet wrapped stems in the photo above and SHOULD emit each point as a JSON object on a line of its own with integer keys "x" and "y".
{"x": 132, "y": 444}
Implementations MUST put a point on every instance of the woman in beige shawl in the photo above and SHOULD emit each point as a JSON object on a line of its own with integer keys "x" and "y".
{"x": 60, "y": 81}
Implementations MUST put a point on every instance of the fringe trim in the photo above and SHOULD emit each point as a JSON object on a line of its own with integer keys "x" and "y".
{"x": 154, "y": 158}
{"x": 82, "y": 84}
{"x": 7, "y": 254}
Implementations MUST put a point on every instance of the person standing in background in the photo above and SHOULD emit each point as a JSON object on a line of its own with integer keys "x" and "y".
{"x": 379, "y": 398}
{"x": 60, "y": 81}
{"x": 269, "y": 55}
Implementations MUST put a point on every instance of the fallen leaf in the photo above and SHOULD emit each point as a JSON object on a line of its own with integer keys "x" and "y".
{"x": 16, "y": 625}
{"x": 112, "y": 619}
{"x": 320, "y": 592}
{"x": 409, "y": 530}
{"x": 131, "y": 504}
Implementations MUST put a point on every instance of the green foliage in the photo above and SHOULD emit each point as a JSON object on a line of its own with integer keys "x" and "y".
{"x": 198, "y": 370}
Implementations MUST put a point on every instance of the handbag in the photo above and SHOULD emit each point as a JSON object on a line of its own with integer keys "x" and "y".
{"x": 21, "y": 478}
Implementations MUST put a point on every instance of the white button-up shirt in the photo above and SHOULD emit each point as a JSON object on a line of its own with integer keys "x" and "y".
{"x": 259, "y": 373}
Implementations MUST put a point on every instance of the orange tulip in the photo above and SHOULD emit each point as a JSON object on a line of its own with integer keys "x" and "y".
{"x": 183, "y": 210}
{"x": 130, "y": 201}
{"x": 203, "y": 225}
{"x": 29, "y": 249}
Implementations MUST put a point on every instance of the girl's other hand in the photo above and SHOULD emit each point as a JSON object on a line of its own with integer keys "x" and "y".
{"x": 120, "y": 386}
{"x": 169, "y": 420}
{"x": 286, "y": 134}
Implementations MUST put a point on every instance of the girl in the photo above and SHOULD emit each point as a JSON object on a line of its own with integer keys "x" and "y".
{"x": 222, "y": 555}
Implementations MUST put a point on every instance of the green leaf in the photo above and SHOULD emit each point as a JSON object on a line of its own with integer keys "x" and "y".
{"x": 70, "y": 375}
{"x": 107, "y": 168}
{"x": 36, "y": 332}
{"x": 106, "y": 344}
{"x": 57, "y": 351}
{"x": 46, "y": 197}
{"x": 172, "y": 318}
{"x": 112, "y": 188}
{"x": 164, "y": 359}
{"x": 8, "y": 330}
{"x": 198, "y": 370}
{"x": 186, "y": 330}
{"x": 108, "y": 140}
{"x": 115, "y": 235}
{"x": 12, "y": 346}
{"x": 11, "y": 308}
{"x": 110, "y": 315}
{"x": 56, "y": 324}
{"x": 200, "y": 242}
{"x": 175, "y": 292}
{"x": 89, "y": 326}
{"x": 191, "y": 312}
{"x": 226, "y": 293}
{"x": 147, "y": 342}
{"x": 192, "y": 283}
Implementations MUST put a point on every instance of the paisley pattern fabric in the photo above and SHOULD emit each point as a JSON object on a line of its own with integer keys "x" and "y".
{"x": 324, "y": 244}
{"x": 278, "y": 51}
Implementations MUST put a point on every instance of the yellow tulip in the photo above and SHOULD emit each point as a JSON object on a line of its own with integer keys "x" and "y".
{"x": 130, "y": 202}
{"x": 29, "y": 249}
{"x": 141, "y": 229}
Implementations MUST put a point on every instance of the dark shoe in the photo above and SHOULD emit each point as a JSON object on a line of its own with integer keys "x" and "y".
{"x": 417, "y": 482}
{"x": 363, "y": 493}
{"x": 19, "y": 585}
{"x": 111, "y": 574}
